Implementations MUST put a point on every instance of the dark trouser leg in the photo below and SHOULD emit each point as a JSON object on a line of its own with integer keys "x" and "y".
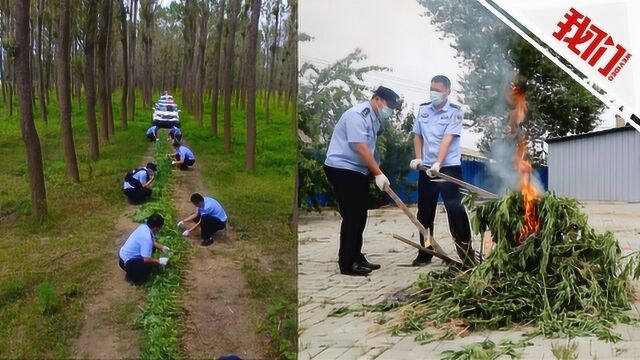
{"x": 137, "y": 271}
{"x": 137, "y": 196}
{"x": 457, "y": 215}
{"x": 151, "y": 137}
{"x": 428, "y": 192}
{"x": 209, "y": 225}
{"x": 351, "y": 189}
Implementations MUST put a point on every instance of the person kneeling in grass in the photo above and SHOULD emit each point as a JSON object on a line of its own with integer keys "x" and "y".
{"x": 175, "y": 134}
{"x": 135, "y": 255}
{"x": 152, "y": 133}
{"x": 137, "y": 183}
{"x": 210, "y": 217}
{"x": 183, "y": 156}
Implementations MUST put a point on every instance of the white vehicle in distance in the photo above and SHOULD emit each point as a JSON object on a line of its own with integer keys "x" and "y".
{"x": 166, "y": 115}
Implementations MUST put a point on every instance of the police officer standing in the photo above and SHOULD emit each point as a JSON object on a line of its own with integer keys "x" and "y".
{"x": 436, "y": 141}
{"x": 351, "y": 161}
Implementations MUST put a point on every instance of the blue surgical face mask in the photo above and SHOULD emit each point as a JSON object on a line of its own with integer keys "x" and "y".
{"x": 436, "y": 97}
{"x": 384, "y": 113}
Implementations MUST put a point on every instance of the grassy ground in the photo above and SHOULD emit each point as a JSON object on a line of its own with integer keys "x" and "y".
{"x": 260, "y": 207}
{"x": 47, "y": 270}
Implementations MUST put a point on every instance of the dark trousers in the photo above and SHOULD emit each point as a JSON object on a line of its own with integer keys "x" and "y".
{"x": 151, "y": 137}
{"x": 209, "y": 225}
{"x": 137, "y": 271}
{"x": 137, "y": 195}
{"x": 185, "y": 165}
{"x": 428, "y": 191}
{"x": 351, "y": 190}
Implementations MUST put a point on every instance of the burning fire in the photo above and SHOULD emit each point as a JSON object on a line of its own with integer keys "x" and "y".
{"x": 517, "y": 112}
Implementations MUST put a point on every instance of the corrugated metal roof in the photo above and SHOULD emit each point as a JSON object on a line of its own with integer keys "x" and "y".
{"x": 590, "y": 134}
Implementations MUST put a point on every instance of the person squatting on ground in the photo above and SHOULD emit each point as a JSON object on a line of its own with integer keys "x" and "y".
{"x": 436, "y": 141}
{"x": 135, "y": 256}
{"x": 352, "y": 160}
{"x": 183, "y": 156}
{"x": 137, "y": 184}
{"x": 209, "y": 216}
{"x": 152, "y": 133}
{"x": 175, "y": 134}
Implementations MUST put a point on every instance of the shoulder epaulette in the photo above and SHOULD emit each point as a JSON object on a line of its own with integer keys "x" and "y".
{"x": 427, "y": 103}
{"x": 455, "y": 106}
{"x": 365, "y": 112}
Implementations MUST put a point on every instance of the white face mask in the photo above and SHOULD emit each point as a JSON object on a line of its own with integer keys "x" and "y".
{"x": 436, "y": 97}
{"x": 384, "y": 113}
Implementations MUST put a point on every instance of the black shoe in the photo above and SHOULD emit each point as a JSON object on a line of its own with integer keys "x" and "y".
{"x": 356, "y": 270}
{"x": 367, "y": 264}
{"x": 207, "y": 242}
{"x": 421, "y": 260}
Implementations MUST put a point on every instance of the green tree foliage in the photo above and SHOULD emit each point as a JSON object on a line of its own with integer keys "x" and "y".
{"x": 325, "y": 94}
{"x": 493, "y": 53}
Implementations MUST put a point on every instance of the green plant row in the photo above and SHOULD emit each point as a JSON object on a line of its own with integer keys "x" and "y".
{"x": 161, "y": 317}
{"x": 566, "y": 280}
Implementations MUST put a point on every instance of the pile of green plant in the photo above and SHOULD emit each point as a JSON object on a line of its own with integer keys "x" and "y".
{"x": 161, "y": 318}
{"x": 564, "y": 280}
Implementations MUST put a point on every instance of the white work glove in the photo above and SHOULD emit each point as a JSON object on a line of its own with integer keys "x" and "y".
{"x": 165, "y": 249}
{"x": 163, "y": 261}
{"x": 157, "y": 139}
{"x": 186, "y": 233}
{"x": 180, "y": 224}
{"x": 381, "y": 181}
{"x": 415, "y": 164}
{"x": 434, "y": 170}
{"x": 173, "y": 163}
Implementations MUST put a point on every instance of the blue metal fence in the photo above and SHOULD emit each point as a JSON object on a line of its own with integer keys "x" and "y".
{"x": 473, "y": 172}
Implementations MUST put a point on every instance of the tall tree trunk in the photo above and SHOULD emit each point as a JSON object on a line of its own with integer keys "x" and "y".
{"x": 228, "y": 72}
{"x": 125, "y": 64}
{"x": 189, "y": 37}
{"x": 89, "y": 80}
{"x": 215, "y": 69}
{"x": 272, "y": 67}
{"x": 101, "y": 71}
{"x": 132, "y": 59}
{"x": 63, "y": 81}
{"x": 147, "y": 15}
{"x": 43, "y": 102}
{"x": 109, "y": 62}
{"x": 250, "y": 72}
{"x": 199, "y": 72}
{"x": 27, "y": 126}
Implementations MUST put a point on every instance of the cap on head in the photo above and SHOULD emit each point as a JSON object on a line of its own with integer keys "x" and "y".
{"x": 152, "y": 166}
{"x": 393, "y": 99}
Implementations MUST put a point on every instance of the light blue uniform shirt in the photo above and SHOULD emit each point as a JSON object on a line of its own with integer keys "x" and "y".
{"x": 359, "y": 124}
{"x": 433, "y": 125}
{"x": 139, "y": 244}
{"x": 152, "y": 130}
{"x": 140, "y": 176}
{"x": 185, "y": 153}
{"x": 175, "y": 130}
{"x": 213, "y": 208}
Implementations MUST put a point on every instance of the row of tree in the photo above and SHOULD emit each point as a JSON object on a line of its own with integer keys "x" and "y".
{"x": 233, "y": 52}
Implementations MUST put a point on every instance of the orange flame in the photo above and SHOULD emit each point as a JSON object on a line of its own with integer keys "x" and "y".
{"x": 518, "y": 109}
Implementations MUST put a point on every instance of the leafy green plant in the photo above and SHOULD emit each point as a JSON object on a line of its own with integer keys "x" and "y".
{"x": 161, "y": 317}
{"x": 485, "y": 350}
{"x": 566, "y": 280}
{"x": 46, "y": 299}
{"x": 565, "y": 352}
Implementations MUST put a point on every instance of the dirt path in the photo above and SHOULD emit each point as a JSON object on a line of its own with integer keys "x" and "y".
{"x": 108, "y": 331}
{"x": 218, "y": 312}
